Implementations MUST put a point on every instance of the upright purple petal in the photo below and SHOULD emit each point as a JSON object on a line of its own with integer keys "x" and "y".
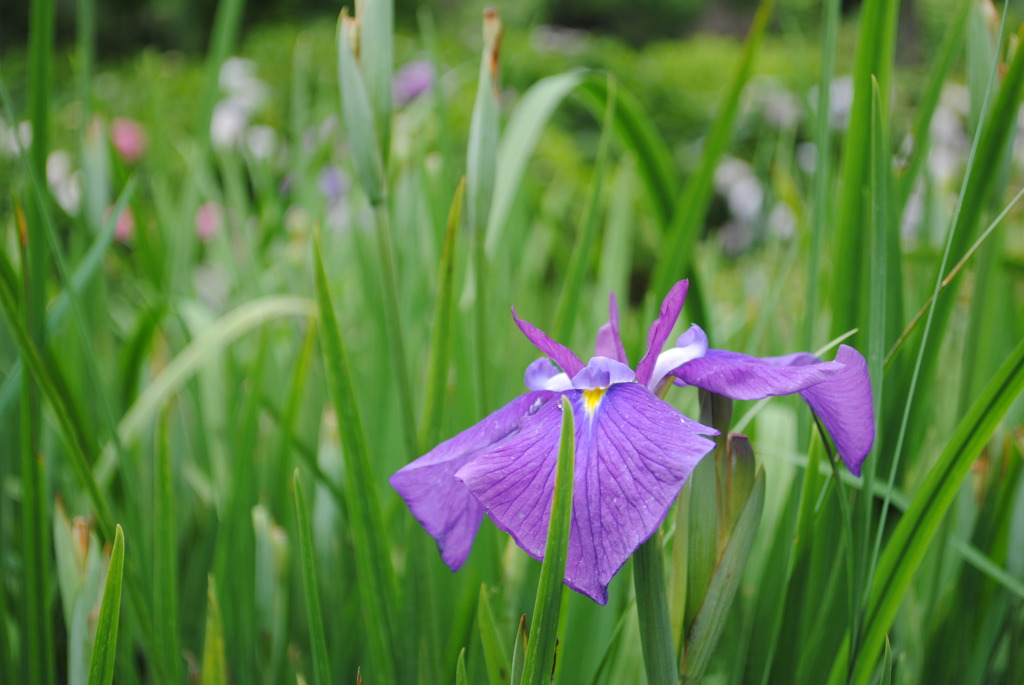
{"x": 609, "y": 343}
{"x": 691, "y": 345}
{"x": 661, "y": 329}
{"x": 443, "y": 505}
{"x": 844, "y": 404}
{"x": 562, "y": 355}
{"x": 633, "y": 454}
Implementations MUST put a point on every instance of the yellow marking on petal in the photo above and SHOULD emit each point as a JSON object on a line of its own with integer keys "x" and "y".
{"x": 591, "y": 398}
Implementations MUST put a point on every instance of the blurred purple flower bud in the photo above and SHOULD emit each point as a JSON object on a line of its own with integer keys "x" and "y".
{"x": 208, "y": 221}
{"x": 411, "y": 81}
{"x": 333, "y": 183}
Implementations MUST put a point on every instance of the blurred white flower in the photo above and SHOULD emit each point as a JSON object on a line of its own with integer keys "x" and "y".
{"x": 65, "y": 183}
{"x": 840, "y": 101}
{"x": 807, "y": 157}
{"x": 782, "y": 221}
{"x": 13, "y": 136}
{"x": 228, "y": 124}
{"x": 736, "y": 182}
{"x": 261, "y": 141}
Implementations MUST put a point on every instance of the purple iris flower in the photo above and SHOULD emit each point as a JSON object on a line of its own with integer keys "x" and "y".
{"x": 411, "y": 81}
{"x": 634, "y": 451}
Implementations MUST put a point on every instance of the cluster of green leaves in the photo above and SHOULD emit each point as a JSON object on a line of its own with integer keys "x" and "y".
{"x": 206, "y": 427}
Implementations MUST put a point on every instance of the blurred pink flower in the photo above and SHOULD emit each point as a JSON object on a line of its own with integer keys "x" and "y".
{"x": 208, "y": 220}
{"x": 129, "y": 139}
{"x": 124, "y": 227}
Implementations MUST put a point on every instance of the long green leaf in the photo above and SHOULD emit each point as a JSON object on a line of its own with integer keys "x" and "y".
{"x": 692, "y": 205}
{"x": 165, "y": 557}
{"x": 104, "y": 651}
{"x": 377, "y": 29}
{"x": 321, "y": 663}
{"x": 357, "y": 112}
{"x": 377, "y": 588}
{"x": 205, "y": 347}
{"x": 910, "y": 541}
{"x": 540, "y": 655}
{"x": 710, "y": 620}
{"x": 440, "y": 339}
{"x": 495, "y": 657}
{"x": 214, "y": 668}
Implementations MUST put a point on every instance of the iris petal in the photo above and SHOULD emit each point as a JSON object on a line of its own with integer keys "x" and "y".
{"x": 561, "y": 354}
{"x": 443, "y": 505}
{"x": 660, "y": 330}
{"x": 633, "y": 454}
{"x": 839, "y": 391}
{"x": 609, "y": 343}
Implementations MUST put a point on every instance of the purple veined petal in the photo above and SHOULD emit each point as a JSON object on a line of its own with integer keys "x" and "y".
{"x": 661, "y": 329}
{"x": 443, "y": 505}
{"x": 542, "y": 374}
{"x": 839, "y": 391}
{"x": 609, "y": 343}
{"x": 742, "y": 377}
{"x": 845, "y": 405}
{"x": 562, "y": 355}
{"x": 601, "y": 372}
{"x": 633, "y": 454}
{"x": 693, "y": 344}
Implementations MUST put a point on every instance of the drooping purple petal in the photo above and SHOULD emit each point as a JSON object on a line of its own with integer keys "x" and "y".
{"x": 844, "y": 404}
{"x": 742, "y": 377}
{"x": 609, "y": 343}
{"x": 601, "y": 372}
{"x": 661, "y": 329}
{"x": 562, "y": 355}
{"x": 839, "y": 391}
{"x": 633, "y": 454}
{"x": 443, "y": 505}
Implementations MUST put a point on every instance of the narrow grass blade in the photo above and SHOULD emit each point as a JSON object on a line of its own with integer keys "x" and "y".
{"x": 165, "y": 557}
{"x": 540, "y": 656}
{"x": 875, "y": 45}
{"x": 226, "y": 26}
{"x": 495, "y": 656}
{"x": 377, "y": 587}
{"x": 377, "y": 28}
{"x": 460, "y": 669}
{"x": 441, "y": 336}
{"x": 710, "y": 620}
{"x": 568, "y": 303}
{"x": 214, "y": 668}
{"x": 652, "y": 613}
{"x": 203, "y": 348}
{"x": 357, "y": 112}
{"x": 906, "y": 548}
{"x": 321, "y": 664}
{"x": 104, "y": 651}
{"x": 637, "y": 134}
{"x": 522, "y": 132}
{"x": 519, "y": 652}
{"x": 692, "y": 205}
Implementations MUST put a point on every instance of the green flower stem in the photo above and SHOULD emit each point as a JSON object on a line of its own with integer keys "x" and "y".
{"x": 396, "y": 342}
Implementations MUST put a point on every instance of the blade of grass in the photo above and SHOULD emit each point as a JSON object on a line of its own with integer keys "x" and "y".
{"x": 377, "y": 587}
{"x": 692, "y": 205}
{"x": 226, "y": 26}
{"x": 519, "y": 652}
{"x": 540, "y": 656}
{"x": 214, "y": 668}
{"x": 460, "y": 669}
{"x": 440, "y": 339}
{"x": 104, "y": 651}
{"x": 568, "y": 303}
{"x": 481, "y": 170}
{"x": 165, "y": 556}
{"x": 321, "y": 664}
{"x": 710, "y": 620}
{"x": 906, "y": 548}
{"x": 209, "y": 343}
{"x": 875, "y": 45}
{"x": 376, "y": 23}
{"x": 495, "y": 657}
